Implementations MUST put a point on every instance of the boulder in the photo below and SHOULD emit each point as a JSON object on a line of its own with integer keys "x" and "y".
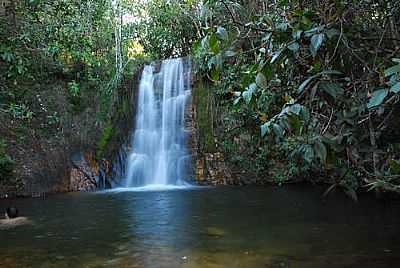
{"x": 12, "y": 212}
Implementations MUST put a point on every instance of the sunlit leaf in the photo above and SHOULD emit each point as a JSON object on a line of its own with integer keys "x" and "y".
{"x": 222, "y": 33}
{"x": 316, "y": 42}
{"x": 213, "y": 42}
{"x": 215, "y": 74}
{"x": 294, "y": 46}
{"x": 282, "y": 26}
{"x": 392, "y": 70}
{"x": 265, "y": 128}
{"x": 297, "y": 34}
{"x": 248, "y": 94}
{"x": 276, "y": 56}
{"x": 230, "y": 53}
{"x": 237, "y": 100}
{"x": 395, "y": 88}
{"x": 377, "y": 97}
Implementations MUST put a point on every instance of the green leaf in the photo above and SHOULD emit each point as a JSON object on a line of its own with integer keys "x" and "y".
{"x": 248, "y": 94}
{"x": 276, "y": 55}
{"x": 261, "y": 80}
{"x": 395, "y": 88}
{"x": 295, "y": 109}
{"x": 332, "y": 33}
{"x": 230, "y": 53}
{"x": 7, "y": 56}
{"x": 305, "y": 83}
{"x": 265, "y": 128}
{"x": 205, "y": 43}
{"x": 332, "y": 89}
{"x": 215, "y": 74}
{"x": 316, "y": 42}
{"x": 377, "y": 97}
{"x": 213, "y": 42}
{"x": 278, "y": 130}
{"x": 204, "y": 12}
{"x": 222, "y": 33}
{"x": 297, "y": 34}
{"x": 320, "y": 150}
{"x": 282, "y": 26}
{"x": 392, "y": 70}
{"x": 308, "y": 80}
{"x": 394, "y": 166}
{"x": 237, "y": 100}
{"x": 308, "y": 155}
{"x": 294, "y": 46}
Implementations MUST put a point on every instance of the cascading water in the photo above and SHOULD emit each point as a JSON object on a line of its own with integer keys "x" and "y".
{"x": 158, "y": 153}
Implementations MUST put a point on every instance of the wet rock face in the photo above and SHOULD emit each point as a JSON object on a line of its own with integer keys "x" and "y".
{"x": 208, "y": 161}
{"x": 80, "y": 182}
{"x": 84, "y": 175}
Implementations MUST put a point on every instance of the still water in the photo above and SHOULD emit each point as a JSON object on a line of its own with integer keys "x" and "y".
{"x": 204, "y": 227}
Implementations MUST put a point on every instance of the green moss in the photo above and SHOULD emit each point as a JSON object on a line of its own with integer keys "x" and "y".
{"x": 105, "y": 137}
{"x": 125, "y": 106}
{"x": 203, "y": 99}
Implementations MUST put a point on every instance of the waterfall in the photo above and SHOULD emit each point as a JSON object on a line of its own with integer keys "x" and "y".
{"x": 158, "y": 154}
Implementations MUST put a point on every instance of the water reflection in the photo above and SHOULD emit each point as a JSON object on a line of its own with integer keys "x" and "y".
{"x": 212, "y": 227}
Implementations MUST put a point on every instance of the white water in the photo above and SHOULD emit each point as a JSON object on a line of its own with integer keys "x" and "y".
{"x": 158, "y": 155}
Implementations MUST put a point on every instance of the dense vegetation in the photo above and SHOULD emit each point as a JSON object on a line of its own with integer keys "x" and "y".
{"x": 61, "y": 63}
{"x": 314, "y": 85}
{"x": 304, "y": 89}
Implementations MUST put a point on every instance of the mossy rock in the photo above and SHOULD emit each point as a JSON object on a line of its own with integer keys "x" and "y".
{"x": 203, "y": 99}
{"x": 105, "y": 137}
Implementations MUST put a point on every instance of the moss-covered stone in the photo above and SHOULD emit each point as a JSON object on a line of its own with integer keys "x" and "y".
{"x": 105, "y": 137}
{"x": 203, "y": 100}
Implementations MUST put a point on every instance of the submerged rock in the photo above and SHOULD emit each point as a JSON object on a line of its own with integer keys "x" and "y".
{"x": 215, "y": 231}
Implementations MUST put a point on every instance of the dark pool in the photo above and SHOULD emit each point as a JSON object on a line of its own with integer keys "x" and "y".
{"x": 204, "y": 227}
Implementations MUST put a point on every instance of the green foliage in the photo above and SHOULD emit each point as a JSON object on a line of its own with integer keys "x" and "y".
{"x": 310, "y": 78}
{"x": 53, "y": 119}
{"x": 74, "y": 94}
{"x": 164, "y": 28}
{"x": 74, "y": 89}
{"x": 105, "y": 137}
{"x": 20, "y": 111}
